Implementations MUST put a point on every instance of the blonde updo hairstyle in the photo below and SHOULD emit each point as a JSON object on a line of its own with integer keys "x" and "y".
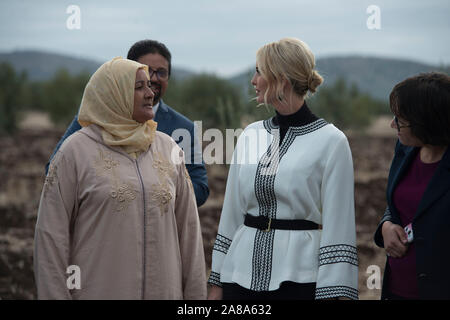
{"x": 289, "y": 59}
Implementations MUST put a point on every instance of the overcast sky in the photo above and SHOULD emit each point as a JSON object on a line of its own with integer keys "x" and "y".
{"x": 222, "y": 36}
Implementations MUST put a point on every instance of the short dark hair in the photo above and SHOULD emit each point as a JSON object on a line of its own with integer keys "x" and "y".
{"x": 144, "y": 47}
{"x": 424, "y": 101}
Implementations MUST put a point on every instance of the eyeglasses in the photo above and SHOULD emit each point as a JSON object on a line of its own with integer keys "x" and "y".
{"x": 161, "y": 74}
{"x": 397, "y": 124}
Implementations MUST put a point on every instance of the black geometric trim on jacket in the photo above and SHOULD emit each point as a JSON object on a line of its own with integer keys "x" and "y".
{"x": 313, "y": 126}
{"x": 265, "y": 195}
{"x": 337, "y": 254}
{"x": 222, "y": 244}
{"x": 214, "y": 278}
{"x": 336, "y": 291}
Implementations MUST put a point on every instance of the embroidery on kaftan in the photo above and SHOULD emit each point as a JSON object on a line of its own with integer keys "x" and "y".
{"x": 123, "y": 193}
{"x": 160, "y": 193}
{"x": 188, "y": 178}
{"x": 51, "y": 177}
{"x": 104, "y": 163}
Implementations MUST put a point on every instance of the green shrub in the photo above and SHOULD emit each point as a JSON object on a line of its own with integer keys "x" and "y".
{"x": 62, "y": 95}
{"x": 12, "y": 88}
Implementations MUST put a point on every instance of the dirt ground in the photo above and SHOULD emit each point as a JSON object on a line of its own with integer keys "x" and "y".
{"x": 22, "y": 161}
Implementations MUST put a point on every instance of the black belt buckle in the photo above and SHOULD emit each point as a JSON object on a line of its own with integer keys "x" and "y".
{"x": 268, "y": 225}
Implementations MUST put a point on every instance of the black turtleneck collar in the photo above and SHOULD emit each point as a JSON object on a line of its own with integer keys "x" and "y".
{"x": 302, "y": 117}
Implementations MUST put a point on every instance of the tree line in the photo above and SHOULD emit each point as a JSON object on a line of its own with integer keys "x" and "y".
{"x": 207, "y": 97}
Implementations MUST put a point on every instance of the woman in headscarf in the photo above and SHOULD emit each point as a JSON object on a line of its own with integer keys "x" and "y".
{"x": 117, "y": 217}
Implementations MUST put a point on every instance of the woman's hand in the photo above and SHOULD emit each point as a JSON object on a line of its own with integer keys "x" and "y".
{"x": 395, "y": 241}
{"x": 215, "y": 293}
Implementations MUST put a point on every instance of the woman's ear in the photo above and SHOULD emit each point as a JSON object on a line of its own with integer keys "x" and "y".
{"x": 286, "y": 87}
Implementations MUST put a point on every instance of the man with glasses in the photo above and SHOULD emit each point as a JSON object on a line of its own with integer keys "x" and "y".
{"x": 158, "y": 59}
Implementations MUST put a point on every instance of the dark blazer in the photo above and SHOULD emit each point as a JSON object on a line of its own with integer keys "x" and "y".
{"x": 431, "y": 225}
{"x": 168, "y": 121}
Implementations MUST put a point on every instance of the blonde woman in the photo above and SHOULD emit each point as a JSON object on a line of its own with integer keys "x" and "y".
{"x": 118, "y": 206}
{"x": 287, "y": 229}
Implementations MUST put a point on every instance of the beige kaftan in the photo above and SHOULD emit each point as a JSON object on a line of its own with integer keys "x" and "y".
{"x": 131, "y": 226}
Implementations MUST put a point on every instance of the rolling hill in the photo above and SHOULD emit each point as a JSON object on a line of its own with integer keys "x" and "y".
{"x": 373, "y": 75}
{"x": 41, "y": 66}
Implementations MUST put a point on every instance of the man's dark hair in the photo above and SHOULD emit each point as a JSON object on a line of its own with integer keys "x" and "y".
{"x": 144, "y": 47}
{"x": 424, "y": 101}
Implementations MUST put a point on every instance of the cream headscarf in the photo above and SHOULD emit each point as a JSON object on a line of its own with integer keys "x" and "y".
{"x": 108, "y": 101}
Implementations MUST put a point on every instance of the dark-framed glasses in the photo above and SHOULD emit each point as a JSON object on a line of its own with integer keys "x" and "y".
{"x": 398, "y": 125}
{"x": 161, "y": 73}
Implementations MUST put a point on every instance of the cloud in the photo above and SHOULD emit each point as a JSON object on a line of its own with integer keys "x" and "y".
{"x": 223, "y": 36}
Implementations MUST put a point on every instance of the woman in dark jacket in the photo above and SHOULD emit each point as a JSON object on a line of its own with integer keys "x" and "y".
{"x": 415, "y": 229}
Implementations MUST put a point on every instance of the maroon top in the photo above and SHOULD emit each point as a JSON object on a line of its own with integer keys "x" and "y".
{"x": 406, "y": 198}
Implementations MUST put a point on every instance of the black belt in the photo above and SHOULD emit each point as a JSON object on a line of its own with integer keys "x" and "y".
{"x": 266, "y": 224}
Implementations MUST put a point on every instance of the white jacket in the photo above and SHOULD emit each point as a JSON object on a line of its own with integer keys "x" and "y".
{"x": 310, "y": 178}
